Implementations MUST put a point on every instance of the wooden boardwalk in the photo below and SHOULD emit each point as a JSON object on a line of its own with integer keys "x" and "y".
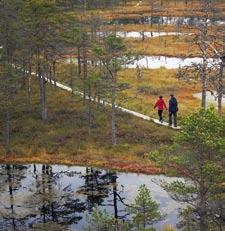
{"x": 134, "y": 113}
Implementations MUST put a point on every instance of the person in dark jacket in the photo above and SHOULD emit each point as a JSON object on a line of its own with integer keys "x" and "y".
{"x": 173, "y": 108}
{"x": 160, "y": 104}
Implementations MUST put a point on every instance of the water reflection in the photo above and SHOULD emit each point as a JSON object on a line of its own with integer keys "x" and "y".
{"x": 96, "y": 186}
{"x": 151, "y": 62}
{"x": 166, "y": 20}
{"x": 10, "y": 183}
{"x": 142, "y": 34}
{"x": 31, "y": 195}
{"x": 55, "y": 202}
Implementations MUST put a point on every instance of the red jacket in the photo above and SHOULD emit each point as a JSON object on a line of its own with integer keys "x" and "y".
{"x": 160, "y": 104}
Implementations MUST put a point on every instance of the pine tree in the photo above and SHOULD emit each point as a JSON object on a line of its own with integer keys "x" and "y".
{"x": 198, "y": 156}
{"x": 144, "y": 210}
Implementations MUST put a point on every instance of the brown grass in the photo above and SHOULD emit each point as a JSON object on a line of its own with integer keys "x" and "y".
{"x": 169, "y": 8}
{"x": 142, "y": 93}
{"x": 177, "y": 46}
{"x": 147, "y": 27}
{"x": 90, "y": 157}
{"x": 158, "y": 82}
{"x": 64, "y": 139}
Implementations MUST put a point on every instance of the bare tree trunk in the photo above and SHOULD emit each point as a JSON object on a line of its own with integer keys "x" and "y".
{"x": 54, "y": 72}
{"x": 98, "y": 87}
{"x": 152, "y": 9}
{"x": 7, "y": 131}
{"x": 113, "y": 112}
{"x": 84, "y": 70}
{"x": 89, "y": 111}
{"x": 71, "y": 75}
{"x": 43, "y": 99}
{"x": 29, "y": 85}
{"x": 203, "y": 80}
{"x": 142, "y": 33}
{"x": 79, "y": 63}
{"x": 220, "y": 88}
{"x": 24, "y": 74}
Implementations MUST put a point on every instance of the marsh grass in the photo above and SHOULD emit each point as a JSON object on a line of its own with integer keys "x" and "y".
{"x": 177, "y": 46}
{"x": 157, "y": 82}
{"x": 142, "y": 93}
{"x": 64, "y": 139}
{"x": 169, "y": 8}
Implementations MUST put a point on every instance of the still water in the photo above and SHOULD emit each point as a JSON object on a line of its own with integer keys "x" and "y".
{"x": 152, "y": 62}
{"x": 166, "y": 20}
{"x": 34, "y": 194}
{"x": 144, "y": 34}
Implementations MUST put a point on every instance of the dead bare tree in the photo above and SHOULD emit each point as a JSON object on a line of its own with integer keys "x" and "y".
{"x": 202, "y": 36}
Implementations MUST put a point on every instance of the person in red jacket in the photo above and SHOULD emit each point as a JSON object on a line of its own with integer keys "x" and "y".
{"x": 160, "y": 104}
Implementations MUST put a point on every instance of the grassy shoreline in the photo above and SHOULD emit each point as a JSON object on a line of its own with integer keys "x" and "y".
{"x": 132, "y": 167}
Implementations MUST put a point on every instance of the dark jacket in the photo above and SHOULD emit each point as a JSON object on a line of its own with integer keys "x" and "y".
{"x": 173, "y": 105}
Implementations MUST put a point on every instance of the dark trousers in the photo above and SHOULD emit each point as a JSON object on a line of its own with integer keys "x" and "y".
{"x": 160, "y": 115}
{"x": 173, "y": 116}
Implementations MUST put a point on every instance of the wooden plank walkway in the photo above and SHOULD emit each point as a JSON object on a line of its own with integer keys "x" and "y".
{"x": 134, "y": 113}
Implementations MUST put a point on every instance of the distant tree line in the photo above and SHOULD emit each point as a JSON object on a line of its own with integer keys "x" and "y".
{"x": 89, "y": 4}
